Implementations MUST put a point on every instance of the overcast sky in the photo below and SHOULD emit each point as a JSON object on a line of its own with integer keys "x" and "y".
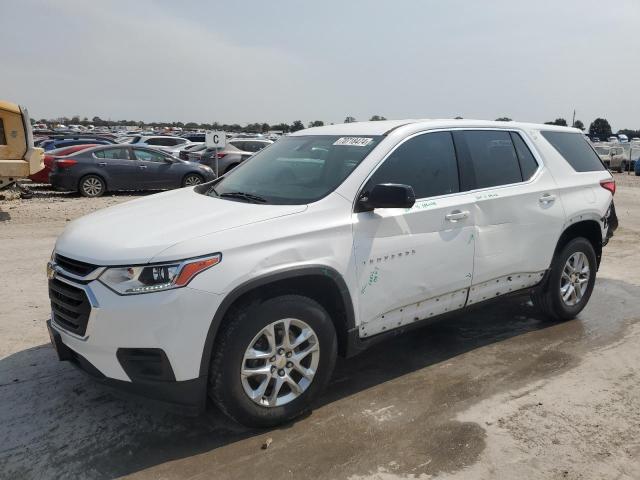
{"x": 248, "y": 61}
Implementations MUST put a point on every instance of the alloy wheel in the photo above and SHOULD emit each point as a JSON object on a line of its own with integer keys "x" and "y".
{"x": 574, "y": 279}
{"x": 192, "y": 180}
{"x": 92, "y": 186}
{"x": 280, "y": 362}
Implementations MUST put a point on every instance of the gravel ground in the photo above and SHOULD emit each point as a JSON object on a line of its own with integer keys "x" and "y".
{"x": 497, "y": 392}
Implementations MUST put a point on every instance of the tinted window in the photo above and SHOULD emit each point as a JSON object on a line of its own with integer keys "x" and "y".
{"x": 157, "y": 141}
{"x": 255, "y": 146}
{"x": 113, "y": 153}
{"x": 239, "y": 145}
{"x": 492, "y": 158}
{"x": 528, "y": 164}
{"x": 149, "y": 156}
{"x": 575, "y": 150}
{"x": 3, "y": 139}
{"x": 426, "y": 162}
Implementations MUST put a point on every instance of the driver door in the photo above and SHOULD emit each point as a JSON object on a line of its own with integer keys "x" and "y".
{"x": 154, "y": 169}
{"x": 415, "y": 263}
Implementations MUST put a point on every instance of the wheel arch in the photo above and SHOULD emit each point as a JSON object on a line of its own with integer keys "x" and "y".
{"x": 589, "y": 229}
{"x": 321, "y": 283}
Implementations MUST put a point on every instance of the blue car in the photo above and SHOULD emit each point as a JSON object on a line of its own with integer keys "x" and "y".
{"x": 636, "y": 167}
{"x": 54, "y": 143}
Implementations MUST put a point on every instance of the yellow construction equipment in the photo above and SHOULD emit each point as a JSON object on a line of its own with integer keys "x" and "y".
{"x": 18, "y": 157}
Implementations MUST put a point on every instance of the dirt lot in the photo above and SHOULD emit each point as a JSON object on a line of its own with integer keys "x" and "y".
{"x": 498, "y": 392}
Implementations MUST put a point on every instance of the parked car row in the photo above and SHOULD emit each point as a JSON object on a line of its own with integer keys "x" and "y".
{"x": 137, "y": 162}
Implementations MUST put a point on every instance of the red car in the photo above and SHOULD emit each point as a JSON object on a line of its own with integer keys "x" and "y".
{"x": 43, "y": 175}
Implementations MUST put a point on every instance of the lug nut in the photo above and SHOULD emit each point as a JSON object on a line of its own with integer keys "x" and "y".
{"x": 288, "y": 354}
{"x": 281, "y": 372}
{"x": 281, "y": 351}
{"x": 272, "y": 359}
{"x": 289, "y": 364}
{"x": 273, "y": 369}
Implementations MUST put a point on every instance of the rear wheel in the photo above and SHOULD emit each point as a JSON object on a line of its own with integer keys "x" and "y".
{"x": 570, "y": 282}
{"x": 92, "y": 186}
{"x": 272, "y": 359}
{"x": 191, "y": 180}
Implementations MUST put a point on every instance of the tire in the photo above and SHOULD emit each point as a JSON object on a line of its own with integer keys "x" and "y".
{"x": 549, "y": 298}
{"x": 242, "y": 326}
{"x": 92, "y": 186}
{"x": 230, "y": 167}
{"x": 192, "y": 179}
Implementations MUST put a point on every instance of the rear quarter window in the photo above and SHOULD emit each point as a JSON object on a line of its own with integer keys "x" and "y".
{"x": 575, "y": 150}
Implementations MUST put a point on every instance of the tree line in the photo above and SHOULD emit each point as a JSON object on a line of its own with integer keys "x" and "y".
{"x": 235, "y": 127}
{"x": 600, "y": 127}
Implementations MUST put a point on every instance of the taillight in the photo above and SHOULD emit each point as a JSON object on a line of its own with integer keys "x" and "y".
{"x": 64, "y": 162}
{"x": 609, "y": 185}
{"x": 221, "y": 155}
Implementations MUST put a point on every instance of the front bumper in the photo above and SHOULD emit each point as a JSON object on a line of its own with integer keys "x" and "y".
{"x": 187, "y": 397}
{"x": 150, "y": 344}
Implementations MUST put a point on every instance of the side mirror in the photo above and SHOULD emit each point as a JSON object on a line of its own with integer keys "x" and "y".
{"x": 387, "y": 195}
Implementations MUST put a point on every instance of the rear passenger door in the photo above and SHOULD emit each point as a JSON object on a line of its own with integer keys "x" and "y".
{"x": 518, "y": 214}
{"x": 117, "y": 167}
{"x": 415, "y": 263}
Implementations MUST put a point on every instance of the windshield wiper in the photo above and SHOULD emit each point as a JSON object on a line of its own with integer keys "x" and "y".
{"x": 243, "y": 196}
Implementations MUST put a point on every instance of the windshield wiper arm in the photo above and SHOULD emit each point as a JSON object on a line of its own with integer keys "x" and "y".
{"x": 244, "y": 196}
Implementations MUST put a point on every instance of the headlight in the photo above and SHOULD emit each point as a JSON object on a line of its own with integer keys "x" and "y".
{"x": 152, "y": 278}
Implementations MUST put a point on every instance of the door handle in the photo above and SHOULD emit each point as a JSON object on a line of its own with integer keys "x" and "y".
{"x": 547, "y": 198}
{"x": 456, "y": 215}
{"x": 102, "y": 164}
{"x": 142, "y": 166}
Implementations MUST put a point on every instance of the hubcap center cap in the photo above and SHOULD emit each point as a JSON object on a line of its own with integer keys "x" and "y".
{"x": 281, "y": 361}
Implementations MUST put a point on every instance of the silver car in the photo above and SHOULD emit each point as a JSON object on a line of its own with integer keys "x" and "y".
{"x": 228, "y": 158}
{"x": 613, "y": 156}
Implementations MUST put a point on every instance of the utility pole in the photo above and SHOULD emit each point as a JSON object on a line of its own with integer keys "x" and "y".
{"x": 573, "y": 123}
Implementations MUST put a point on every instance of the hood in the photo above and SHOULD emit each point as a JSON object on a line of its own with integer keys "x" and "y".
{"x": 136, "y": 231}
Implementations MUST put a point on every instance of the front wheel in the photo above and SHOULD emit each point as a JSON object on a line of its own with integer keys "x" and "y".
{"x": 272, "y": 359}
{"x": 191, "y": 180}
{"x": 570, "y": 282}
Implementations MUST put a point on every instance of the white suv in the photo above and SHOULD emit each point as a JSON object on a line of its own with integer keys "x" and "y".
{"x": 246, "y": 288}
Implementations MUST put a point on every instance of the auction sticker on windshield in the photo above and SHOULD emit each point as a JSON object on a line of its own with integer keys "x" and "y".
{"x": 354, "y": 141}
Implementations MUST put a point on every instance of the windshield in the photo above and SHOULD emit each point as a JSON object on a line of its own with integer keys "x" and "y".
{"x": 602, "y": 150}
{"x": 295, "y": 170}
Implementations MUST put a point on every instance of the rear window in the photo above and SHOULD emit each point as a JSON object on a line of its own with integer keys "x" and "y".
{"x": 575, "y": 150}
